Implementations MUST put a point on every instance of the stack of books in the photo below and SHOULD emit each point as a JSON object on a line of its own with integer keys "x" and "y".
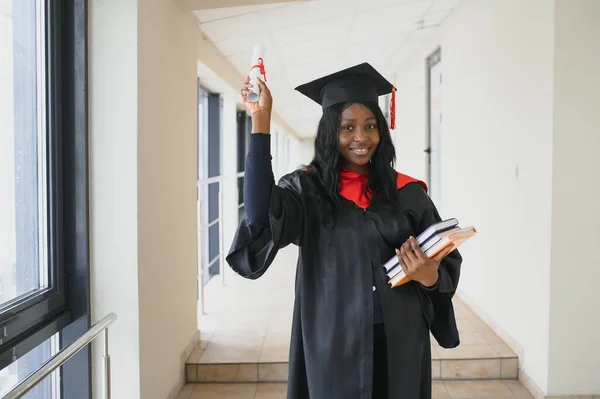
{"x": 435, "y": 239}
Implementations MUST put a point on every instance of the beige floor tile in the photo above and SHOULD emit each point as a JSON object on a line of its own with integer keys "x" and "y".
{"x": 219, "y": 391}
{"x": 465, "y": 326}
{"x": 271, "y": 391}
{"x": 280, "y": 323}
{"x": 206, "y": 333}
{"x": 186, "y": 391}
{"x": 216, "y": 354}
{"x": 472, "y": 339}
{"x": 503, "y": 350}
{"x": 464, "y": 314}
{"x": 510, "y": 368}
{"x": 531, "y": 386}
{"x": 195, "y": 356}
{"x": 228, "y": 373}
{"x": 235, "y": 342}
{"x": 244, "y": 334}
{"x": 208, "y": 325}
{"x": 274, "y": 355}
{"x": 191, "y": 373}
{"x": 273, "y": 372}
{"x": 570, "y": 397}
{"x": 468, "y": 352}
{"x": 479, "y": 325}
{"x": 436, "y": 372}
{"x": 439, "y": 390}
{"x": 477, "y": 389}
{"x": 276, "y": 341}
{"x": 490, "y": 337}
{"x": 518, "y": 390}
{"x": 471, "y": 369}
{"x": 251, "y": 323}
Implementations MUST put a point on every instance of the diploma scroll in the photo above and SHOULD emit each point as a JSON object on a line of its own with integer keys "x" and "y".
{"x": 257, "y": 69}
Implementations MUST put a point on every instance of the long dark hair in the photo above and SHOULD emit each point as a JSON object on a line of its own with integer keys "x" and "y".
{"x": 326, "y": 164}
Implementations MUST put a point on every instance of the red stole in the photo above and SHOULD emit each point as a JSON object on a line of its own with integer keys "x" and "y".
{"x": 353, "y": 184}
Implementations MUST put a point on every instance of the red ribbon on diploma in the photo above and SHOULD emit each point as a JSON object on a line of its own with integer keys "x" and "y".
{"x": 261, "y": 66}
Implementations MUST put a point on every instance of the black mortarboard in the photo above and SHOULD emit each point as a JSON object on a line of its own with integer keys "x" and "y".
{"x": 360, "y": 83}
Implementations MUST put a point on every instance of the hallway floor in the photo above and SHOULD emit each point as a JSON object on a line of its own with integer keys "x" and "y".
{"x": 441, "y": 390}
{"x": 245, "y": 335}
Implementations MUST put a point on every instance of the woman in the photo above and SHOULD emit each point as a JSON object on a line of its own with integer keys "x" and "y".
{"x": 349, "y": 211}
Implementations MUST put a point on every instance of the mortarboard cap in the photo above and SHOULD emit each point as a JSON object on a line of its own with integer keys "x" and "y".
{"x": 360, "y": 83}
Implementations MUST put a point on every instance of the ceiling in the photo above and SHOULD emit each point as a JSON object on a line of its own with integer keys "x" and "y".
{"x": 309, "y": 39}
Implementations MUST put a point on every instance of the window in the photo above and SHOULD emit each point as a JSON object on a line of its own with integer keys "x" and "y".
{"x": 11, "y": 375}
{"x": 30, "y": 267}
{"x": 209, "y": 184}
{"x": 244, "y": 128}
{"x": 434, "y": 124}
{"x": 43, "y": 201}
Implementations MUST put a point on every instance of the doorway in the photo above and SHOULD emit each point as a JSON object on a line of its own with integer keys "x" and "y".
{"x": 434, "y": 125}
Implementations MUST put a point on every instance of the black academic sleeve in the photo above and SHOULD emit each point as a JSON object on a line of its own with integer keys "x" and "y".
{"x": 258, "y": 180}
{"x": 255, "y": 245}
{"x": 449, "y": 270}
{"x": 441, "y": 310}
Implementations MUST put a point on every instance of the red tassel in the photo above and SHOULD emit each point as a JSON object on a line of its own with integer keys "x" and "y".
{"x": 393, "y": 109}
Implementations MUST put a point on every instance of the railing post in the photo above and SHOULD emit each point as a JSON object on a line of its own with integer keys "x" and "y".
{"x": 200, "y": 251}
{"x": 106, "y": 359}
{"x": 221, "y": 243}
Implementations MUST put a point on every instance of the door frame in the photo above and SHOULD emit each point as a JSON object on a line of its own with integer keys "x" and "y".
{"x": 432, "y": 60}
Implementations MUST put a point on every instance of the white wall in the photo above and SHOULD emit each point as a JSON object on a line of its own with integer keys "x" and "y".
{"x": 574, "y": 304}
{"x": 113, "y": 127}
{"x": 497, "y": 65}
{"x": 143, "y": 190}
{"x": 306, "y": 151}
{"x": 295, "y": 155}
{"x": 167, "y": 165}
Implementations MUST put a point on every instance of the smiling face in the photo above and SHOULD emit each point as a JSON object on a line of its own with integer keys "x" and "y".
{"x": 358, "y": 137}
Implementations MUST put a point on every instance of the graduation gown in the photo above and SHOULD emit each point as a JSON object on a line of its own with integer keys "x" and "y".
{"x": 332, "y": 329}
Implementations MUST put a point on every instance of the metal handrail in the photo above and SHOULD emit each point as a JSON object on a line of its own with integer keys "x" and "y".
{"x": 65, "y": 354}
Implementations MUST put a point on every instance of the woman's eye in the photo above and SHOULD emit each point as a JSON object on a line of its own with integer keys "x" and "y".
{"x": 347, "y": 127}
{"x": 372, "y": 127}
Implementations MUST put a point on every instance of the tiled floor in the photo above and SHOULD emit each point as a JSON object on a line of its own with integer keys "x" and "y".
{"x": 246, "y": 332}
{"x": 441, "y": 390}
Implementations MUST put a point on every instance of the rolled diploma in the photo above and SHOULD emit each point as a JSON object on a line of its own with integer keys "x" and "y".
{"x": 258, "y": 52}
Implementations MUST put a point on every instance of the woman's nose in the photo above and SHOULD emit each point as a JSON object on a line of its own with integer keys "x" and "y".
{"x": 360, "y": 135}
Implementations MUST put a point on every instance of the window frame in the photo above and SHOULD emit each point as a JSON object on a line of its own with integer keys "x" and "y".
{"x": 23, "y": 314}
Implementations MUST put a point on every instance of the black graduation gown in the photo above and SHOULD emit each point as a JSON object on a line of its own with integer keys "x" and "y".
{"x": 332, "y": 329}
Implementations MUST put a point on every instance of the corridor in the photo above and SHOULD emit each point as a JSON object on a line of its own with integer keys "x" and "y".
{"x": 123, "y": 143}
{"x": 245, "y": 336}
